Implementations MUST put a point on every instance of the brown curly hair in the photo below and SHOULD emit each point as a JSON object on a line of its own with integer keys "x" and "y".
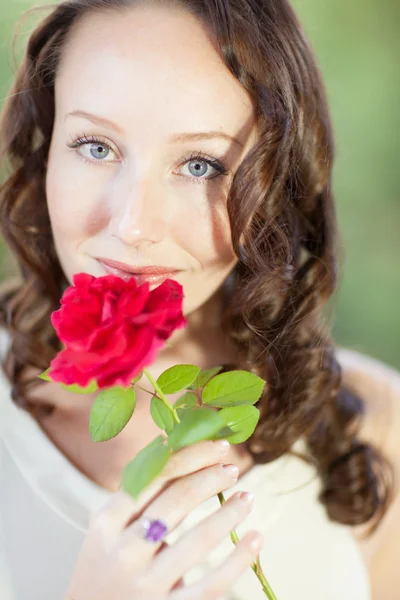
{"x": 284, "y": 233}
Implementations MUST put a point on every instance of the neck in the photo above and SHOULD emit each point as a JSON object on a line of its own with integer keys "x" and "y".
{"x": 206, "y": 317}
{"x": 202, "y": 342}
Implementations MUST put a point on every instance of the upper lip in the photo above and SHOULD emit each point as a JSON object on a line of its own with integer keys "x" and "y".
{"x": 153, "y": 270}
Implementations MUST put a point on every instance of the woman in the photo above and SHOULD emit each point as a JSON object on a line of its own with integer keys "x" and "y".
{"x": 118, "y": 108}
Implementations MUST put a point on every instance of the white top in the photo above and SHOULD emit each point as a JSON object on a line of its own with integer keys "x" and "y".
{"x": 45, "y": 503}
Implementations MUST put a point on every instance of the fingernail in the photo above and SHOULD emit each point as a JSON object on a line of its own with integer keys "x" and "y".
{"x": 222, "y": 446}
{"x": 256, "y": 542}
{"x": 247, "y": 498}
{"x": 232, "y": 470}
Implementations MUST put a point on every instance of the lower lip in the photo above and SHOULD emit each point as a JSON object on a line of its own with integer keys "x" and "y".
{"x": 153, "y": 279}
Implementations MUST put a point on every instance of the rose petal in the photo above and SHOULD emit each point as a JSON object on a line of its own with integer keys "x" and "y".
{"x": 113, "y": 328}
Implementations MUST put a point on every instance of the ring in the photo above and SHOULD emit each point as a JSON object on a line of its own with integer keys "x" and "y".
{"x": 153, "y": 530}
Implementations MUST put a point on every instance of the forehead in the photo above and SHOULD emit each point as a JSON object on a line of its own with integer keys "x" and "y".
{"x": 156, "y": 63}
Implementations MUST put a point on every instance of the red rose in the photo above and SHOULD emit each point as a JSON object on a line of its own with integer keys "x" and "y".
{"x": 112, "y": 328}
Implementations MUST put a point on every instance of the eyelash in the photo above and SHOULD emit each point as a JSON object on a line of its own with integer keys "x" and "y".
{"x": 217, "y": 164}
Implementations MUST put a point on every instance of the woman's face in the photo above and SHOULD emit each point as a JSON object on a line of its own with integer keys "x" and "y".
{"x": 149, "y": 128}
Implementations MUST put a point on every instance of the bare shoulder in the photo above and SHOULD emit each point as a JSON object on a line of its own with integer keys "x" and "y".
{"x": 379, "y": 386}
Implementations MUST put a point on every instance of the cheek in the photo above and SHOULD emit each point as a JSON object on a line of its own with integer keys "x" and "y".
{"x": 204, "y": 232}
{"x": 72, "y": 209}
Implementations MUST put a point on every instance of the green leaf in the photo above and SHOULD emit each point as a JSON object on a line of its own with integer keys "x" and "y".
{"x": 180, "y": 412}
{"x": 184, "y": 410}
{"x": 223, "y": 433}
{"x": 45, "y": 375}
{"x": 145, "y": 467}
{"x": 187, "y": 399}
{"x": 233, "y": 389}
{"x": 158, "y": 441}
{"x": 197, "y": 424}
{"x": 205, "y": 375}
{"x": 242, "y": 420}
{"x": 77, "y": 389}
{"x": 161, "y": 415}
{"x": 177, "y": 378}
{"x": 110, "y": 412}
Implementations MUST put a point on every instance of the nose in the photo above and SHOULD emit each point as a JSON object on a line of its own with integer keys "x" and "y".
{"x": 138, "y": 215}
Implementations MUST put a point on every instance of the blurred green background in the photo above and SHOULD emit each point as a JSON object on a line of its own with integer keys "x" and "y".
{"x": 358, "y": 51}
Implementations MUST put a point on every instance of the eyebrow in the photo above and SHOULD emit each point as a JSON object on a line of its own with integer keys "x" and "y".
{"x": 179, "y": 137}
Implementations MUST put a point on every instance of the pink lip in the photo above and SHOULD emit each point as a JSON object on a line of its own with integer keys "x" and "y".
{"x": 154, "y": 274}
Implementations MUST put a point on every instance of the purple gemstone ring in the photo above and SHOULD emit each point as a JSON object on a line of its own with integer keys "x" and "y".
{"x": 154, "y": 530}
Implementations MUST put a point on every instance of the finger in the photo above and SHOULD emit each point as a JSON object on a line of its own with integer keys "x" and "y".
{"x": 163, "y": 546}
{"x": 121, "y": 508}
{"x": 192, "y": 547}
{"x": 175, "y": 503}
{"x": 194, "y": 457}
{"x": 180, "y": 583}
{"x": 221, "y": 579}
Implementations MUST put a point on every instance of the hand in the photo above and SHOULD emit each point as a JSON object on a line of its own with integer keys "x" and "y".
{"x": 115, "y": 562}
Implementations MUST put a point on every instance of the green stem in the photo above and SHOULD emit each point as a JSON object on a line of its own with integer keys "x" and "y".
{"x": 256, "y": 565}
{"x": 161, "y": 395}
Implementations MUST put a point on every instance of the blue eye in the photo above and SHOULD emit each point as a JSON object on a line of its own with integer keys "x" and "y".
{"x": 94, "y": 150}
{"x": 99, "y": 151}
{"x": 198, "y": 165}
{"x": 198, "y": 170}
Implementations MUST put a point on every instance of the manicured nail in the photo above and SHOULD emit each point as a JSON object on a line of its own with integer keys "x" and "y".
{"x": 247, "y": 498}
{"x": 222, "y": 446}
{"x": 233, "y": 470}
{"x": 256, "y": 542}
